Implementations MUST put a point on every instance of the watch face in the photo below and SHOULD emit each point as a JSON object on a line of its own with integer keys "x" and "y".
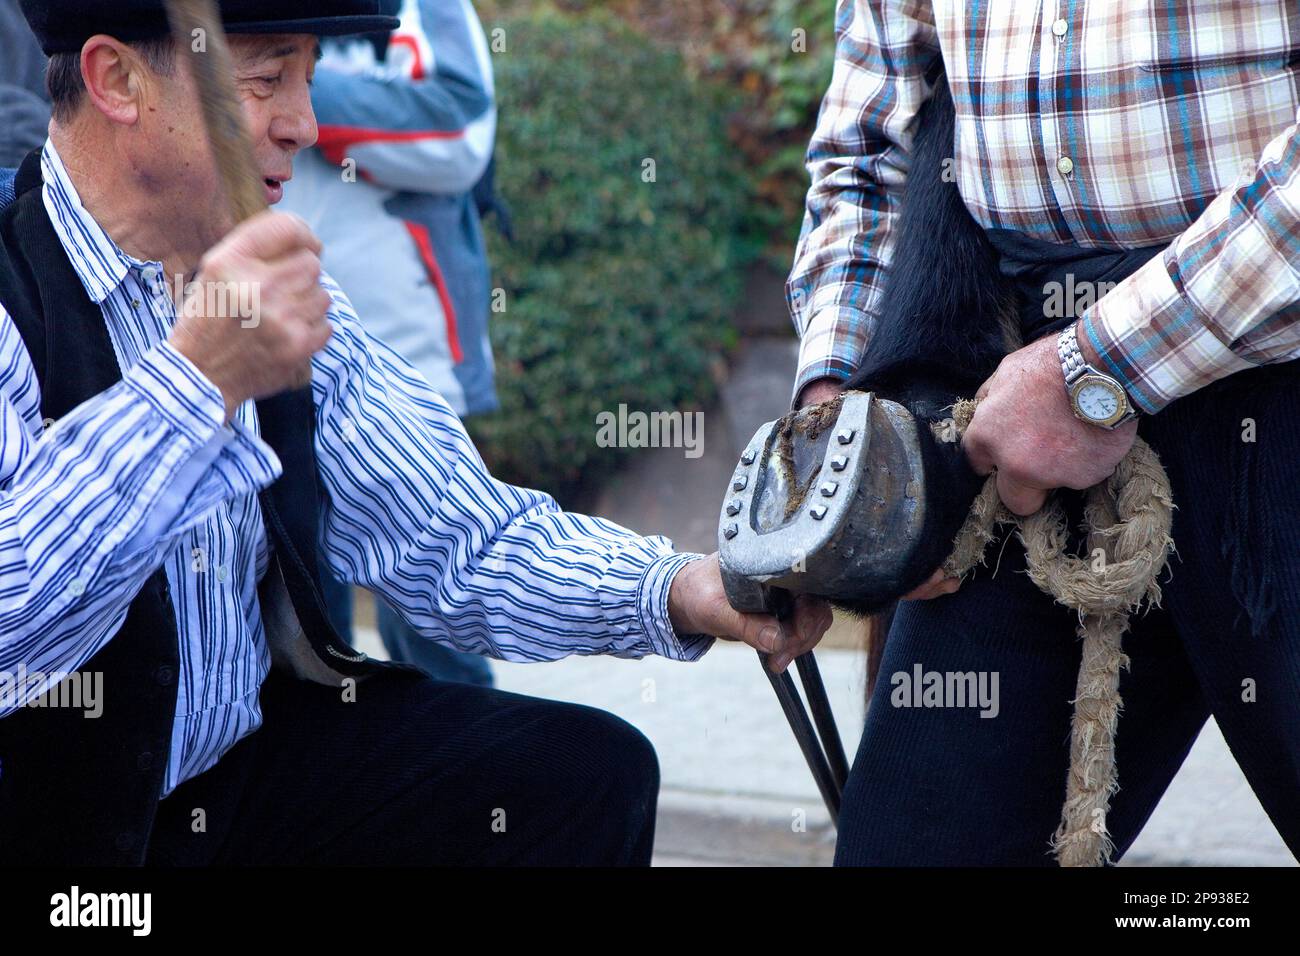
{"x": 1099, "y": 400}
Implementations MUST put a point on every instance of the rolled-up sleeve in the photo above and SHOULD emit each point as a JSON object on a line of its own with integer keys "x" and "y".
{"x": 1223, "y": 298}
{"x": 858, "y": 162}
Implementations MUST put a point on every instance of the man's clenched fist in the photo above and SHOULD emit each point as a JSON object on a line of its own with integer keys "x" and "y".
{"x": 273, "y": 260}
{"x": 1025, "y": 428}
{"x": 697, "y": 604}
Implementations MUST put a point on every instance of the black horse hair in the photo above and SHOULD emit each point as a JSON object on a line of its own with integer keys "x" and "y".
{"x": 945, "y": 310}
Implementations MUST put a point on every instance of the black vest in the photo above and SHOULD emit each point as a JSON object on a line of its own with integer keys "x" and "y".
{"x": 84, "y": 791}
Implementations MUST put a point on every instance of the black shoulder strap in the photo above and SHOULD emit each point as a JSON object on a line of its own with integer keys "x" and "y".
{"x": 291, "y": 512}
{"x": 36, "y": 280}
{"x": 29, "y": 172}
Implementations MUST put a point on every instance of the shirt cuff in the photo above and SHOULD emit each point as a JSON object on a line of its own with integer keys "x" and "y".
{"x": 174, "y": 495}
{"x": 178, "y": 392}
{"x": 233, "y": 462}
{"x": 1154, "y": 341}
{"x": 831, "y": 346}
{"x": 652, "y": 606}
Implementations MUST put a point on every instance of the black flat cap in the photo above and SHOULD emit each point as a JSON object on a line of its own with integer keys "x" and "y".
{"x": 63, "y": 26}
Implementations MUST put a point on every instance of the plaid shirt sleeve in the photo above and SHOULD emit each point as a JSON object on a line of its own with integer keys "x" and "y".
{"x": 1224, "y": 297}
{"x": 858, "y": 161}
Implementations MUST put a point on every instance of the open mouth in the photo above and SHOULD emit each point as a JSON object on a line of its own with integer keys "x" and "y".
{"x": 274, "y": 189}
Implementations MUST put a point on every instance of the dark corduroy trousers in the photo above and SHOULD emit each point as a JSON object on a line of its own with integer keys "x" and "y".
{"x": 417, "y": 771}
{"x": 943, "y": 786}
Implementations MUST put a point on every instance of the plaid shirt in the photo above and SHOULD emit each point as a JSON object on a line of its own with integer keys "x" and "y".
{"x": 1106, "y": 123}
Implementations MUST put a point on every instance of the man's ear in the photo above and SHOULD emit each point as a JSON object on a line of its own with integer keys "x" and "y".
{"x": 114, "y": 76}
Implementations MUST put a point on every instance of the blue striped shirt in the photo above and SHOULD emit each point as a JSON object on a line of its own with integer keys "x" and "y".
{"x": 146, "y": 475}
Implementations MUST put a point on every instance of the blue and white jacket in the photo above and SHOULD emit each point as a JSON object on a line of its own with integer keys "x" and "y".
{"x": 404, "y": 137}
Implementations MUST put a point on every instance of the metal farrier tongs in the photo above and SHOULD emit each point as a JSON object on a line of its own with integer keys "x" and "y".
{"x": 827, "y": 501}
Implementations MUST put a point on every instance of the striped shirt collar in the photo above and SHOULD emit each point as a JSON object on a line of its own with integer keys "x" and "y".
{"x": 97, "y": 259}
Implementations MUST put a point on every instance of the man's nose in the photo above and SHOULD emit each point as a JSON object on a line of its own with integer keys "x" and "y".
{"x": 295, "y": 127}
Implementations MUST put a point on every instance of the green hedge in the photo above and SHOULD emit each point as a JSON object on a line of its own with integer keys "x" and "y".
{"x": 616, "y": 290}
{"x": 748, "y": 46}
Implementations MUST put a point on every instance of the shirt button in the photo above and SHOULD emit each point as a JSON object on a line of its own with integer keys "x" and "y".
{"x": 144, "y": 761}
{"x": 124, "y": 841}
{"x": 165, "y": 675}
{"x": 77, "y": 587}
{"x": 1060, "y": 28}
{"x": 1065, "y": 165}
{"x": 221, "y": 573}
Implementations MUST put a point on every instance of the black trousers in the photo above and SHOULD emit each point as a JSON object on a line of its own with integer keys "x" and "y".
{"x": 417, "y": 771}
{"x": 944, "y": 786}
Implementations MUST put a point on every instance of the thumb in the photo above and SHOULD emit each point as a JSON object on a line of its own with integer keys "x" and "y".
{"x": 1020, "y": 498}
{"x": 762, "y": 632}
{"x": 978, "y": 454}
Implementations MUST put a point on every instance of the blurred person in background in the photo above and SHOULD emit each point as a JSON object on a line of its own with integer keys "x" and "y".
{"x": 24, "y": 104}
{"x": 407, "y": 127}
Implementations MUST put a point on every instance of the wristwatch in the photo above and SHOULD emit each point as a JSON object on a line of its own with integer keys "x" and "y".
{"x": 1095, "y": 397}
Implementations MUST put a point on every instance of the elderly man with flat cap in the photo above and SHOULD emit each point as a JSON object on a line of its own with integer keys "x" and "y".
{"x": 165, "y": 478}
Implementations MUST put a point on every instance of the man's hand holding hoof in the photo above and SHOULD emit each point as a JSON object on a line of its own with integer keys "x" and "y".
{"x": 1025, "y": 428}
{"x": 697, "y": 604}
{"x": 936, "y": 585}
{"x": 272, "y": 259}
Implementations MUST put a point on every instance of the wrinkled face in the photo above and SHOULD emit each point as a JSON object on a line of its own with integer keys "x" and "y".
{"x": 273, "y": 75}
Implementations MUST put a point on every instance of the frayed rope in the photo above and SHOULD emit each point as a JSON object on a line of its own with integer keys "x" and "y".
{"x": 1128, "y": 518}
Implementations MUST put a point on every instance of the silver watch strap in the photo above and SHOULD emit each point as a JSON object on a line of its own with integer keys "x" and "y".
{"x": 1075, "y": 366}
